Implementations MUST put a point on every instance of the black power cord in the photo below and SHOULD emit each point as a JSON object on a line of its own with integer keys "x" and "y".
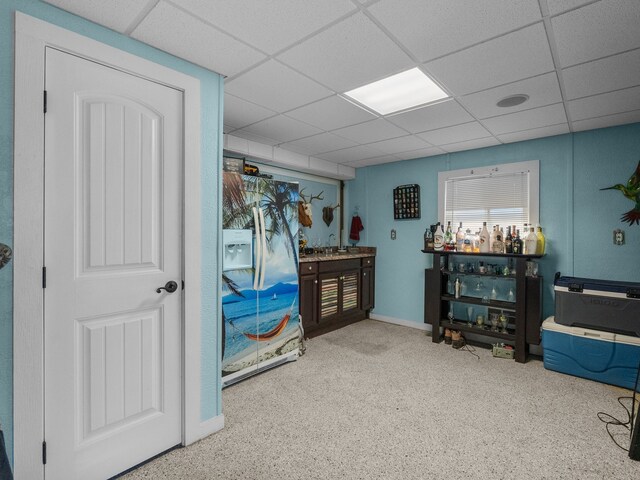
{"x": 628, "y": 425}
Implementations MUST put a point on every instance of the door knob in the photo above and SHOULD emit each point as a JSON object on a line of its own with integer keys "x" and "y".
{"x": 170, "y": 287}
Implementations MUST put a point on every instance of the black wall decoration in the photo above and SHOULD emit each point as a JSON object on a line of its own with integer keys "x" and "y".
{"x": 406, "y": 202}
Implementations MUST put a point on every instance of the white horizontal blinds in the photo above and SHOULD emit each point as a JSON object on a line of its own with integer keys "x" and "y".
{"x": 498, "y": 199}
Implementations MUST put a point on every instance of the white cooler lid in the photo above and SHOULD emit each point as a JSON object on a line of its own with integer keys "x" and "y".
{"x": 551, "y": 325}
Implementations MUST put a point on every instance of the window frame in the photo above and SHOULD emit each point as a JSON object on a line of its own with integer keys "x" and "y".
{"x": 530, "y": 166}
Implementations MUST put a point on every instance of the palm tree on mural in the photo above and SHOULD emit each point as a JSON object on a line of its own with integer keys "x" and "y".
{"x": 280, "y": 202}
{"x": 236, "y": 214}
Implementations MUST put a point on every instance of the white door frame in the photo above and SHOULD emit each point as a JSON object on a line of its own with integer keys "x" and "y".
{"x": 31, "y": 38}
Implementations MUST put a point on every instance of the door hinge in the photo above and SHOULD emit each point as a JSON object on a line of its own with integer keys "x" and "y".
{"x": 182, "y": 284}
{"x": 44, "y": 453}
{"x": 45, "y": 102}
{"x": 44, "y": 277}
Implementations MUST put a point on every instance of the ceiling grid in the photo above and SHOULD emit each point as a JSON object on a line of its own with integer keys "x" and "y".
{"x": 288, "y": 63}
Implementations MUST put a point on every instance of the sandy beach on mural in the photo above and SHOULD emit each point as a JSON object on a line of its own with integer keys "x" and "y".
{"x": 283, "y": 345}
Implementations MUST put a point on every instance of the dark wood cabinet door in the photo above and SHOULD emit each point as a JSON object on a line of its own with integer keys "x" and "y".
{"x": 329, "y": 291}
{"x": 309, "y": 300}
{"x": 367, "y": 289}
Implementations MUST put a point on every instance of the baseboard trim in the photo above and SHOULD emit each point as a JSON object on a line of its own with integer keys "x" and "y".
{"x": 401, "y": 322}
{"x": 211, "y": 426}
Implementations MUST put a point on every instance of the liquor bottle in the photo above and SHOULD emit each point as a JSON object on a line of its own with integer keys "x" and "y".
{"x": 530, "y": 242}
{"x": 517, "y": 243}
{"x": 457, "y": 288}
{"x": 508, "y": 246}
{"x": 427, "y": 236}
{"x": 492, "y": 238}
{"x": 459, "y": 238}
{"x": 541, "y": 242}
{"x": 468, "y": 242}
{"x": 475, "y": 242}
{"x": 484, "y": 238}
{"x": 498, "y": 244}
{"x": 449, "y": 239}
{"x": 438, "y": 238}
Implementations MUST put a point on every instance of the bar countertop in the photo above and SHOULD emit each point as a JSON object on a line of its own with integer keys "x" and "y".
{"x": 335, "y": 255}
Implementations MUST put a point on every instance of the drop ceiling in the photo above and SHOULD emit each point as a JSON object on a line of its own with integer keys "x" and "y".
{"x": 286, "y": 62}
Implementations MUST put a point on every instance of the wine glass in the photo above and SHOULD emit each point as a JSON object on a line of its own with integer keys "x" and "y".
{"x": 494, "y": 291}
{"x": 470, "y": 316}
{"x": 494, "y": 321}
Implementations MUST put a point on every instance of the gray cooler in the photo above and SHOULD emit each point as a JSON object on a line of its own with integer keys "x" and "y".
{"x": 598, "y": 304}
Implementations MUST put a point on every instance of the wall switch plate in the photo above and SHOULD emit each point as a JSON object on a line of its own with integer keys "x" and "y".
{"x": 618, "y": 237}
{"x": 393, "y": 234}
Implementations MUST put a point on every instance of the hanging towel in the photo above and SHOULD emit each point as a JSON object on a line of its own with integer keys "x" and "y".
{"x": 5, "y": 468}
{"x": 356, "y": 227}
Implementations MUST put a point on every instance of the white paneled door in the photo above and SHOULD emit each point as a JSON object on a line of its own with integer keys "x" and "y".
{"x": 113, "y": 229}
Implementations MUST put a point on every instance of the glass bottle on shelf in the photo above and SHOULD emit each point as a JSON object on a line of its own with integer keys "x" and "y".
{"x": 498, "y": 244}
{"x": 459, "y": 238}
{"x": 476, "y": 242}
{"x": 450, "y": 289}
{"x": 541, "y": 242}
{"x": 457, "y": 288}
{"x": 468, "y": 242}
{"x": 438, "y": 239}
{"x": 517, "y": 243}
{"x": 492, "y": 238}
{"x": 484, "y": 238}
{"x": 508, "y": 239}
{"x": 448, "y": 236}
{"x": 530, "y": 242}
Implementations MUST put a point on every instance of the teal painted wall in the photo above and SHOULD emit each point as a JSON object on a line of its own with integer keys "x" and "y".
{"x": 211, "y": 86}
{"x": 578, "y": 219}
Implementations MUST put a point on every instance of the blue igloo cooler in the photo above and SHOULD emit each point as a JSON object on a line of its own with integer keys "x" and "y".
{"x": 601, "y": 356}
{"x": 598, "y": 304}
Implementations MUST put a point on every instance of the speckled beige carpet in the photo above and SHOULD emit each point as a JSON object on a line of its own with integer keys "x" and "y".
{"x": 379, "y": 401}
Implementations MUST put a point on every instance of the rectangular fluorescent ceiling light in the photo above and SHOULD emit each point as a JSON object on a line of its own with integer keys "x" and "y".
{"x": 398, "y": 92}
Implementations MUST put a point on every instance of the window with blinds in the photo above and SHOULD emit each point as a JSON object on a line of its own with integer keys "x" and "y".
{"x": 499, "y": 195}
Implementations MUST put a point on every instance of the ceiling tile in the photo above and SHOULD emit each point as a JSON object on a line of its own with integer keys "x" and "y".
{"x": 269, "y": 25}
{"x": 597, "y": 30}
{"x": 400, "y": 144}
{"x": 606, "y": 104}
{"x": 534, "y": 133}
{"x": 282, "y": 128}
{"x": 512, "y": 57}
{"x": 608, "y": 121}
{"x": 373, "y": 161}
{"x": 116, "y": 14}
{"x": 276, "y": 86}
{"x": 352, "y": 154}
{"x": 470, "y": 144}
{"x": 372, "y": 131}
{"x": 559, "y": 6}
{"x": 353, "y": 52}
{"x": 174, "y": 31}
{"x": 542, "y": 90}
{"x": 604, "y": 75}
{"x": 324, "y": 142}
{"x": 426, "y": 28}
{"x": 331, "y": 113}
{"x": 527, "y": 119}
{"x": 420, "y": 153}
{"x": 458, "y": 133}
{"x": 439, "y": 115}
{"x": 255, "y": 138}
{"x": 240, "y": 113}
